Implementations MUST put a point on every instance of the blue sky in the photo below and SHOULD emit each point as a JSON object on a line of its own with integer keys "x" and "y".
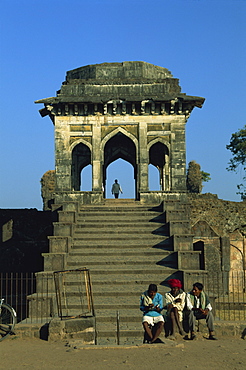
{"x": 202, "y": 42}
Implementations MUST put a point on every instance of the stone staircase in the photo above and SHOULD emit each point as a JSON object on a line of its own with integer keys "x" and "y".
{"x": 126, "y": 246}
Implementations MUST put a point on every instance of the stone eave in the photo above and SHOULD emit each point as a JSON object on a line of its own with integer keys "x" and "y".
{"x": 195, "y": 100}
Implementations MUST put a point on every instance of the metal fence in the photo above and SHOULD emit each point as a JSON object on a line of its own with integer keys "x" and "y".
{"x": 227, "y": 292}
{"x": 33, "y": 301}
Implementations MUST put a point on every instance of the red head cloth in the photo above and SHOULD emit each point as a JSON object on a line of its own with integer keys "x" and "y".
{"x": 175, "y": 283}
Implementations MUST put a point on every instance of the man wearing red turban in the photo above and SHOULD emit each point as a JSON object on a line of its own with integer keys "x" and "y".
{"x": 174, "y": 302}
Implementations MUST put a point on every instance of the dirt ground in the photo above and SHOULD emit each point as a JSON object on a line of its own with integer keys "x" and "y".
{"x": 18, "y": 353}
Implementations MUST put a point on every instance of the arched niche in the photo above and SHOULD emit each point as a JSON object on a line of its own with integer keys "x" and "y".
{"x": 159, "y": 157}
{"x": 119, "y": 146}
{"x": 199, "y": 246}
{"x": 81, "y": 157}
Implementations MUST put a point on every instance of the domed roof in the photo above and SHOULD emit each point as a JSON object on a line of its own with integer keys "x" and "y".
{"x": 122, "y": 71}
{"x": 126, "y": 81}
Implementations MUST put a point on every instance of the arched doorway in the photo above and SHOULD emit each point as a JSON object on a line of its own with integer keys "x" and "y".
{"x": 123, "y": 171}
{"x": 119, "y": 147}
{"x": 81, "y": 157}
{"x": 86, "y": 178}
{"x": 154, "y": 178}
{"x": 159, "y": 157}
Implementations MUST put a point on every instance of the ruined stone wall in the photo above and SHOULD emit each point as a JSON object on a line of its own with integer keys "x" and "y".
{"x": 222, "y": 215}
{"x": 221, "y": 225}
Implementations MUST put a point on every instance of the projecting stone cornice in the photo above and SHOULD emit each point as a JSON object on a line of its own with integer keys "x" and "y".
{"x": 120, "y": 88}
{"x": 196, "y": 100}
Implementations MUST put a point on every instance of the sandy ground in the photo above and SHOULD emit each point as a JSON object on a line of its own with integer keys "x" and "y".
{"x": 18, "y": 353}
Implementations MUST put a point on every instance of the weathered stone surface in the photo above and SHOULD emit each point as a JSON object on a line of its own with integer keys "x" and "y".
{"x": 83, "y": 328}
{"x": 222, "y": 215}
{"x": 127, "y": 81}
{"x": 47, "y": 189}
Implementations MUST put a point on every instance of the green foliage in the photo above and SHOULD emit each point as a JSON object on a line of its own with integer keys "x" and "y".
{"x": 205, "y": 176}
{"x": 238, "y": 148}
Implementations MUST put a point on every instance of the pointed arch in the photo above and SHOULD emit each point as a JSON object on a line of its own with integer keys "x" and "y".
{"x": 159, "y": 150}
{"x": 80, "y": 141}
{"x": 81, "y": 157}
{"x": 124, "y": 132}
{"x": 119, "y": 144}
{"x": 159, "y": 140}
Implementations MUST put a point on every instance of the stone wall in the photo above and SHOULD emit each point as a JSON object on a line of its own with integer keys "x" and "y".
{"x": 23, "y": 237}
{"x": 223, "y": 216}
{"x": 219, "y": 227}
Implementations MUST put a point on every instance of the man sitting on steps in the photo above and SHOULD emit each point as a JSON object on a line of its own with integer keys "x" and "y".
{"x": 151, "y": 304}
{"x": 175, "y": 303}
{"x": 199, "y": 307}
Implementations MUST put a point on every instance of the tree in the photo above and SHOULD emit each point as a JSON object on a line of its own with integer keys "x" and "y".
{"x": 238, "y": 148}
{"x": 195, "y": 177}
{"x": 205, "y": 176}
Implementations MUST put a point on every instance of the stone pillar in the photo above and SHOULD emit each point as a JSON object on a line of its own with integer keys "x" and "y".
{"x": 178, "y": 157}
{"x": 143, "y": 185}
{"x": 96, "y": 156}
{"x": 166, "y": 174}
{"x": 63, "y": 159}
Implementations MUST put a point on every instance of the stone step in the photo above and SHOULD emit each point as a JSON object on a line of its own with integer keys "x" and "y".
{"x": 120, "y": 216}
{"x": 120, "y": 209}
{"x": 124, "y": 252}
{"x": 123, "y": 325}
{"x": 113, "y": 299}
{"x": 107, "y": 233}
{"x": 126, "y": 217}
{"x": 108, "y": 237}
{"x": 117, "y": 297}
{"x": 125, "y": 315}
{"x": 121, "y": 244}
{"x": 116, "y": 287}
{"x": 74, "y": 307}
{"x": 112, "y": 263}
{"x": 122, "y": 256}
{"x": 152, "y": 274}
{"x": 133, "y": 226}
{"x": 140, "y": 212}
{"x": 120, "y": 266}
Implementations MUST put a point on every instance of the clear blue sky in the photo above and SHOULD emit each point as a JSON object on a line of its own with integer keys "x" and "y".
{"x": 202, "y": 42}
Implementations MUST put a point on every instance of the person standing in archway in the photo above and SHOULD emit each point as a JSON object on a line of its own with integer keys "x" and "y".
{"x": 116, "y": 189}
